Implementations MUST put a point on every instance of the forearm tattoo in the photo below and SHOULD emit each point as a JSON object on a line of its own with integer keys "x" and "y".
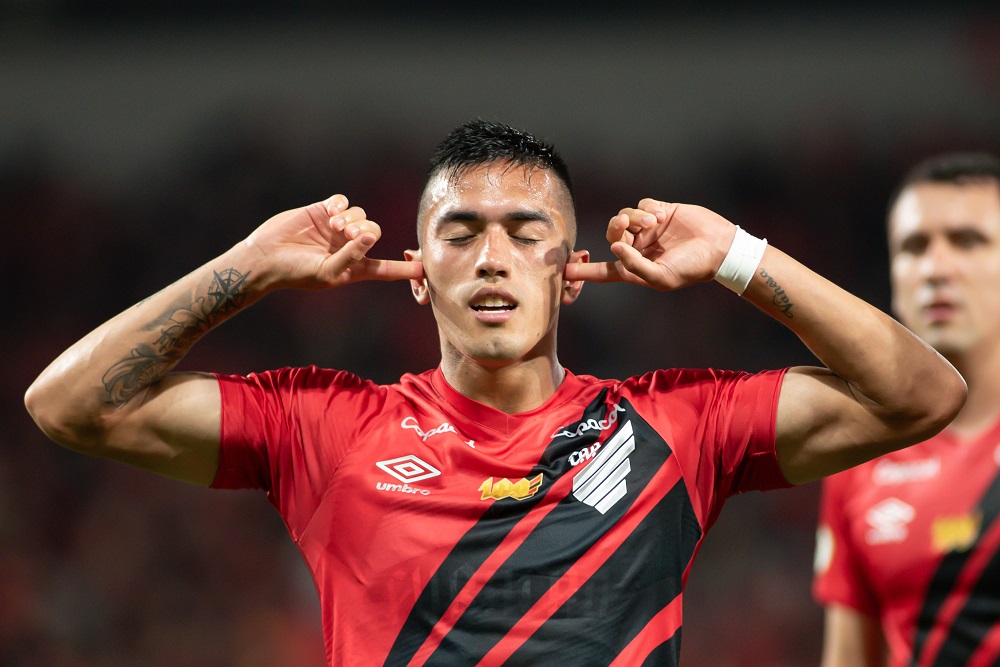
{"x": 778, "y": 298}
{"x": 179, "y": 329}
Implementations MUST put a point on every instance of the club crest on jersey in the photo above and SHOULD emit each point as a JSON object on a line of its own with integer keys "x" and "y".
{"x": 602, "y": 482}
{"x": 585, "y": 454}
{"x": 504, "y": 488}
{"x": 955, "y": 533}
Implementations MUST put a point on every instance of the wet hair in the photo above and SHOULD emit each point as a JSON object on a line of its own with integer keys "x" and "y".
{"x": 481, "y": 142}
{"x": 951, "y": 168}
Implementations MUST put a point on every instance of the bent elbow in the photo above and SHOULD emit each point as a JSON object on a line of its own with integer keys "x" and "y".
{"x": 953, "y": 399}
{"x": 39, "y": 408}
{"x": 55, "y": 417}
{"x": 944, "y": 401}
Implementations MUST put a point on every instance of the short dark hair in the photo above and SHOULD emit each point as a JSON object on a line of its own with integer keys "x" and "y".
{"x": 955, "y": 168}
{"x": 481, "y": 142}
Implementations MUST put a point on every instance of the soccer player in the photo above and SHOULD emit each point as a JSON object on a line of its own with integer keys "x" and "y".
{"x": 907, "y": 559}
{"x": 498, "y": 507}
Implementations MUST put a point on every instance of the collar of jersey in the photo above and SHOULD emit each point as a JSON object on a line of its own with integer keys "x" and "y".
{"x": 498, "y": 421}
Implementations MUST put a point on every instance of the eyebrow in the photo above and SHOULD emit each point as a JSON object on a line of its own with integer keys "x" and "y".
{"x": 521, "y": 215}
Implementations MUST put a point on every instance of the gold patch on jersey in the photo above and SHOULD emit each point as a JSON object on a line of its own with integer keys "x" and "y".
{"x": 504, "y": 488}
{"x": 955, "y": 533}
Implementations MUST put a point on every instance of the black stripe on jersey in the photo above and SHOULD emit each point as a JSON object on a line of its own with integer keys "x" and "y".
{"x": 968, "y": 629}
{"x": 566, "y": 533}
{"x": 667, "y": 653}
{"x": 980, "y": 613}
{"x": 472, "y": 550}
{"x": 620, "y": 599}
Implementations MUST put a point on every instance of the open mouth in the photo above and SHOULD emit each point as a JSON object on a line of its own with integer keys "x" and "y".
{"x": 493, "y": 305}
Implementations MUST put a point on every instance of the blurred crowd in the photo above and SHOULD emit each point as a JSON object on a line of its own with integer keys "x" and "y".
{"x": 103, "y": 565}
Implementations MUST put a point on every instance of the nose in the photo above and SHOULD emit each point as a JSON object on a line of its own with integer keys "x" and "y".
{"x": 938, "y": 262}
{"x": 494, "y": 253}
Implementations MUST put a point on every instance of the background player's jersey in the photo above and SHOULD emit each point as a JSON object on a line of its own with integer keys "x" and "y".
{"x": 443, "y": 532}
{"x": 912, "y": 538}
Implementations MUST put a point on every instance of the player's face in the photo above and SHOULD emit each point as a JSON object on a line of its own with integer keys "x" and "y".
{"x": 944, "y": 246}
{"x": 495, "y": 242}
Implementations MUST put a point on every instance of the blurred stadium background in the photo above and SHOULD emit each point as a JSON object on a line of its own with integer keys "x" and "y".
{"x": 138, "y": 142}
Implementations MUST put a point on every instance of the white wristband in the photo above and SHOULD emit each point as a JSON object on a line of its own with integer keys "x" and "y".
{"x": 742, "y": 261}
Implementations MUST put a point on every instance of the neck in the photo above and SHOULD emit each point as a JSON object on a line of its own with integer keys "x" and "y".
{"x": 512, "y": 388}
{"x": 981, "y": 370}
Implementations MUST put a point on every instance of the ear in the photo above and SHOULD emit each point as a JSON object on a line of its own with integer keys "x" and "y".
{"x": 571, "y": 288}
{"x": 418, "y": 287}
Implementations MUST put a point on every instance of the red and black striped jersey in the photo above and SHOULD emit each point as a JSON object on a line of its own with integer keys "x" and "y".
{"x": 441, "y": 531}
{"x": 912, "y": 539}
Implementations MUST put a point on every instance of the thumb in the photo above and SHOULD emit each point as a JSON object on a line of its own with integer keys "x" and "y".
{"x": 633, "y": 261}
{"x": 630, "y": 258}
{"x": 350, "y": 254}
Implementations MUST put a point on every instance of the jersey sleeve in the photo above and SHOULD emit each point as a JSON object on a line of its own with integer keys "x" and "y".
{"x": 837, "y": 576}
{"x": 743, "y": 421}
{"x": 721, "y": 426}
{"x": 286, "y": 431}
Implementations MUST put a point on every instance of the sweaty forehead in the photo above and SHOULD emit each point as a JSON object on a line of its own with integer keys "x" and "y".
{"x": 495, "y": 190}
{"x": 931, "y": 207}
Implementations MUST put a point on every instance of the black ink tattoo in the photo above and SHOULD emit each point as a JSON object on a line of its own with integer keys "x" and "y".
{"x": 780, "y": 298}
{"x": 148, "y": 363}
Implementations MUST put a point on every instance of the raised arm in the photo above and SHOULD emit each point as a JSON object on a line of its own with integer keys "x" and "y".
{"x": 882, "y": 387}
{"x": 112, "y": 393}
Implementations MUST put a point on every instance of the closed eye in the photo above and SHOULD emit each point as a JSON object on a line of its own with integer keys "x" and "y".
{"x": 530, "y": 228}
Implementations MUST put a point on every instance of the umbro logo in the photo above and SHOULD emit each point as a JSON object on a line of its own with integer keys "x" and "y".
{"x": 889, "y": 521}
{"x": 409, "y": 469}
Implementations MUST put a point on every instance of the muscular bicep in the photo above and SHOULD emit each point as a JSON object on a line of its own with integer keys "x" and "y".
{"x": 824, "y": 426}
{"x": 851, "y": 639}
{"x": 171, "y": 428}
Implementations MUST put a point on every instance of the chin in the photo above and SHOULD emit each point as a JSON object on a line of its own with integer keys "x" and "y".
{"x": 497, "y": 354}
{"x": 492, "y": 352}
{"x": 948, "y": 346}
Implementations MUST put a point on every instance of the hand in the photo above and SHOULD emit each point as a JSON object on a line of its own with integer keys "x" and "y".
{"x": 325, "y": 245}
{"x": 660, "y": 245}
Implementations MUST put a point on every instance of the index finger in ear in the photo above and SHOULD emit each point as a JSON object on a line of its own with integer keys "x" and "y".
{"x": 595, "y": 272}
{"x": 393, "y": 269}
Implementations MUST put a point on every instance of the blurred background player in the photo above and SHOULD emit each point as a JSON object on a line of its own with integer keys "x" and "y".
{"x": 907, "y": 554}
